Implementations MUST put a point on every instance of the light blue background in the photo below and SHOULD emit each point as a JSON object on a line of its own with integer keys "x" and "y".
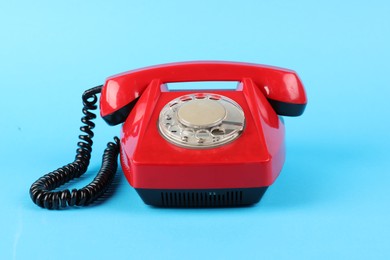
{"x": 331, "y": 200}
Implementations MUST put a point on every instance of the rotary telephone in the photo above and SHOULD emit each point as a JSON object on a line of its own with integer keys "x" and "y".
{"x": 187, "y": 148}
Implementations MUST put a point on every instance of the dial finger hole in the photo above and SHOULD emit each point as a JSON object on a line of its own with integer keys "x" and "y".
{"x": 173, "y": 104}
{"x": 217, "y": 132}
{"x": 185, "y": 98}
{"x": 188, "y": 132}
{"x": 215, "y": 97}
{"x": 200, "y": 96}
{"x": 202, "y": 134}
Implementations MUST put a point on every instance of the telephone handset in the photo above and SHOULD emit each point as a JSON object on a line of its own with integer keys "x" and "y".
{"x": 282, "y": 88}
{"x": 185, "y": 148}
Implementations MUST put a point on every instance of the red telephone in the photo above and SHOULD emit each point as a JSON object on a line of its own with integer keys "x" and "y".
{"x": 188, "y": 148}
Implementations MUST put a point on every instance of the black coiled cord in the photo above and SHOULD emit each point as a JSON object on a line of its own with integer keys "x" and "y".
{"x": 41, "y": 191}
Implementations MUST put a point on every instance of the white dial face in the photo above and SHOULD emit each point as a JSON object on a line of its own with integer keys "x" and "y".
{"x": 201, "y": 120}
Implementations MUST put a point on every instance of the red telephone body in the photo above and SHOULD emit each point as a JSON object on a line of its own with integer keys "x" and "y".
{"x": 235, "y": 173}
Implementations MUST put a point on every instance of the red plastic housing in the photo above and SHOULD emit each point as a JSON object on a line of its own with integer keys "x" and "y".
{"x": 255, "y": 159}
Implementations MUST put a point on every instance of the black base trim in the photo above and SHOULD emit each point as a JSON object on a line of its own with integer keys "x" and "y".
{"x": 201, "y": 197}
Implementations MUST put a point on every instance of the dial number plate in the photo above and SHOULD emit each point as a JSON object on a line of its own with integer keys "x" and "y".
{"x": 201, "y": 120}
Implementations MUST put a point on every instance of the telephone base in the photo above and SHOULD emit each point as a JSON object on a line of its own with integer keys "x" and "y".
{"x": 193, "y": 198}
